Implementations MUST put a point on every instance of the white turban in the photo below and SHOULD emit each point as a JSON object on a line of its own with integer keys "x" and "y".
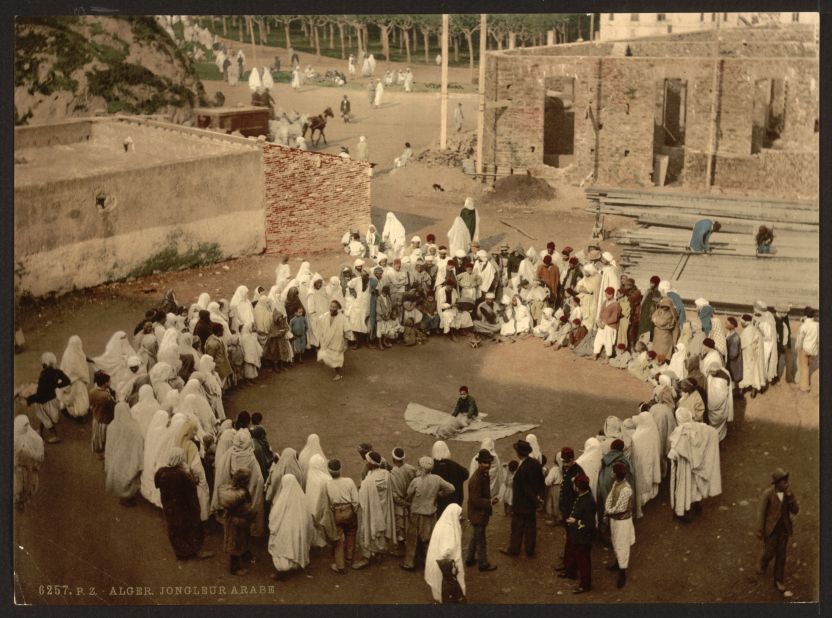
{"x": 700, "y": 302}
{"x": 358, "y": 262}
{"x": 459, "y": 253}
{"x": 664, "y": 287}
{"x": 416, "y": 239}
{"x": 607, "y": 256}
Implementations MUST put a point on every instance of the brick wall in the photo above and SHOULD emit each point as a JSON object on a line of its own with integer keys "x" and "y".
{"x": 311, "y": 199}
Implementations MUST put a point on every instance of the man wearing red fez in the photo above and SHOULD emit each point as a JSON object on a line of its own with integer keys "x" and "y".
{"x": 465, "y": 405}
{"x": 578, "y": 333}
{"x": 618, "y": 510}
{"x": 609, "y": 316}
{"x": 549, "y": 275}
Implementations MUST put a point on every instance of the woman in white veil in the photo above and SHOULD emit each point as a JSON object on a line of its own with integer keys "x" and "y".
{"x": 445, "y": 544}
{"x": 393, "y": 235}
{"x": 459, "y": 238}
{"x": 75, "y": 397}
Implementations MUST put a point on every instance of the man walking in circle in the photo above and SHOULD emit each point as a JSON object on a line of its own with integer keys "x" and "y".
{"x": 777, "y": 506}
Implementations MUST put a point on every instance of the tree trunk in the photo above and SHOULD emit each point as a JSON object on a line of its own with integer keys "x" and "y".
{"x": 264, "y": 31}
{"x": 331, "y": 36}
{"x": 268, "y": 28}
{"x": 385, "y": 41}
{"x": 287, "y": 34}
{"x": 512, "y": 40}
{"x": 366, "y": 37}
{"x": 406, "y": 37}
{"x": 317, "y": 41}
{"x": 415, "y": 41}
{"x": 341, "y": 38}
{"x": 399, "y": 40}
{"x": 240, "y": 22}
{"x": 426, "y": 35}
{"x": 349, "y": 38}
{"x": 224, "y": 26}
{"x": 456, "y": 49}
{"x": 469, "y": 37}
{"x": 360, "y": 54}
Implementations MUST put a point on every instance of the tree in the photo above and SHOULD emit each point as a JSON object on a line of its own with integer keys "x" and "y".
{"x": 427, "y": 24}
{"x": 405, "y": 23}
{"x": 385, "y": 23}
{"x": 467, "y": 24}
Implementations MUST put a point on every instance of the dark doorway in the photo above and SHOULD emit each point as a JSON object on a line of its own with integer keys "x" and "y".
{"x": 559, "y": 122}
{"x": 768, "y": 118}
{"x": 669, "y": 130}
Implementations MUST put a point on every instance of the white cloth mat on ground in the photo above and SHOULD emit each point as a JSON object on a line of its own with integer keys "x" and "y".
{"x": 444, "y": 426}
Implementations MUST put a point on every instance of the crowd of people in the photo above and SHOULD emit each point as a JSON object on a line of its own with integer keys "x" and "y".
{"x": 159, "y": 424}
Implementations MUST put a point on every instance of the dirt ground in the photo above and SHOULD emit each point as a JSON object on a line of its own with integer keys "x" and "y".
{"x": 75, "y": 535}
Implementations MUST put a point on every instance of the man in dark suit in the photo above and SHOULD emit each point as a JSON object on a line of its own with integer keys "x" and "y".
{"x": 777, "y": 506}
{"x": 479, "y": 510}
{"x": 527, "y": 487}
{"x": 580, "y": 530}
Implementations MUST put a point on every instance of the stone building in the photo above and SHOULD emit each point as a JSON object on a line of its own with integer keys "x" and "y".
{"x": 101, "y": 199}
{"x": 730, "y": 110}
{"x": 620, "y": 26}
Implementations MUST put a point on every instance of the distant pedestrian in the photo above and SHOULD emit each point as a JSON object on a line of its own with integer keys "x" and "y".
{"x": 777, "y": 506}
{"x": 580, "y": 530}
{"x": 47, "y": 405}
{"x": 346, "y": 106}
{"x": 619, "y": 511}
{"x": 458, "y": 117}
{"x": 371, "y": 91}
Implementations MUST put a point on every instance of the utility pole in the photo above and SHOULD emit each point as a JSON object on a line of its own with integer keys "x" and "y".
{"x": 714, "y": 107}
{"x": 443, "y": 127}
{"x": 253, "y": 46}
{"x": 481, "y": 94}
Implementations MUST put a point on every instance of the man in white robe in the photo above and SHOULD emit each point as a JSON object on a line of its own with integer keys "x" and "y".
{"x": 610, "y": 277}
{"x": 765, "y": 322}
{"x": 333, "y": 333}
{"x": 485, "y": 269}
{"x": 753, "y": 361}
{"x": 317, "y": 304}
{"x": 694, "y": 454}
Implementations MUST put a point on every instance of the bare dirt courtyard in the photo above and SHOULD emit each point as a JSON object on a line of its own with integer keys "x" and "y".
{"x": 76, "y": 535}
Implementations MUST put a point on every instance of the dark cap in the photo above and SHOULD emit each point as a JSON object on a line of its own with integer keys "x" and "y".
{"x": 617, "y": 445}
{"x": 709, "y": 343}
{"x": 619, "y": 468}
{"x": 567, "y": 453}
{"x": 522, "y": 448}
{"x": 485, "y": 456}
{"x": 365, "y": 448}
{"x": 334, "y": 465}
{"x": 582, "y": 481}
{"x": 655, "y": 280}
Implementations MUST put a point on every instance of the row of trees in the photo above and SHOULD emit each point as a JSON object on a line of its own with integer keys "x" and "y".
{"x": 408, "y": 32}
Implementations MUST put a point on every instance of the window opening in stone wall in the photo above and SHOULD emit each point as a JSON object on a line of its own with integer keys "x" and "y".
{"x": 661, "y": 16}
{"x": 796, "y": 17}
{"x": 701, "y": 16}
{"x": 669, "y": 130}
{"x": 769, "y": 114}
{"x": 633, "y": 16}
{"x": 670, "y": 29}
{"x": 559, "y": 122}
{"x": 612, "y": 16}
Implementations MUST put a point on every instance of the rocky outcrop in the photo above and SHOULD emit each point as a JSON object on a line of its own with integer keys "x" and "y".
{"x": 69, "y": 66}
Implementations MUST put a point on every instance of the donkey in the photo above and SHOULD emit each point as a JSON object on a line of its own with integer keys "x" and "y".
{"x": 317, "y": 123}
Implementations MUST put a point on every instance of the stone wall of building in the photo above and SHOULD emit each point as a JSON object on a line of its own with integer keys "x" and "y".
{"x": 311, "y": 199}
{"x": 617, "y": 105}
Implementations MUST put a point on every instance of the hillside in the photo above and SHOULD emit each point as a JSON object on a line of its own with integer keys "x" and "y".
{"x": 75, "y": 66}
